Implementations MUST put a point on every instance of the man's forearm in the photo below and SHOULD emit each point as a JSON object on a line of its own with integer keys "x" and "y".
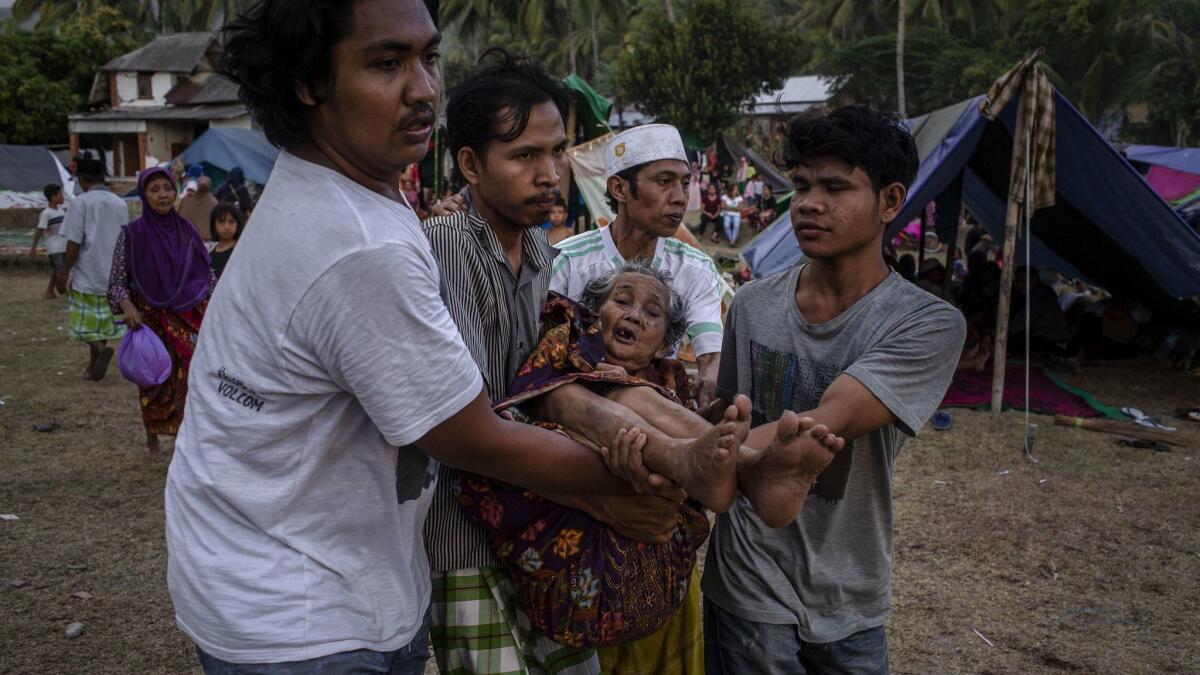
{"x": 478, "y": 441}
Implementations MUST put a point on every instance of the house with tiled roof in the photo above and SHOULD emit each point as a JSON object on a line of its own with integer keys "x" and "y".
{"x": 146, "y": 107}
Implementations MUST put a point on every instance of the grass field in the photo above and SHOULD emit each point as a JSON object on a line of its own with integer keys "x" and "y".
{"x": 1088, "y": 561}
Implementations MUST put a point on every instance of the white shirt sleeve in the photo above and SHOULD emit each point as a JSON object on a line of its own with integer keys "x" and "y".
{"x": 72, "y": 226}
{"x": 560, "y": 276}
{"x": 377, "y": 325}
{"x": 43, "y": 219}
{"x": 704, "y": 311}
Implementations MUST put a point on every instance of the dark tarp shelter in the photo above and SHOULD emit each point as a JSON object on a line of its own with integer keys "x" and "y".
{"x": 27, "y": 168}
{"x": 1107, "y": 224}
{"x": 223, "y": 149}
{"x": 730, "y": 151}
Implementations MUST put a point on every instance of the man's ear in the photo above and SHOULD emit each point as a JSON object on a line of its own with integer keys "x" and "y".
{"x": 306, "y": 95}
{"x": 619, "y": 189}
{"x": 892, "y": 199}
{"x": 469, "y": 164}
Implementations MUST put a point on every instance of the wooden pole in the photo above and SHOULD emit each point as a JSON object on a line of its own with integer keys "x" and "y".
{"x": 951, "y": 257}
{"x": 921, "y": 242}
{"x": 1002, "y": 309}
{"x": 1006, "y": 278}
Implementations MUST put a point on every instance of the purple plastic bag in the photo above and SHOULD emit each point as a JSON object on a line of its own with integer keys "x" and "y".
{"x": 143, "y": 359}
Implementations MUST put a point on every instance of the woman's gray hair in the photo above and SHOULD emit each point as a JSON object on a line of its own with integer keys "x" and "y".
{"x": 596, "y": 292}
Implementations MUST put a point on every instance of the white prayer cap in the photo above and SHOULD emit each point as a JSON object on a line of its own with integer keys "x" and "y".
{"x": 640, "y": 145}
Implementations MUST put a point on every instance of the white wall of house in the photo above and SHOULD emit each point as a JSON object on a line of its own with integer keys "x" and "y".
{"x": 161, "y": 135}
{"x": 242, "y": 122}
{"x": 127, "y": 90}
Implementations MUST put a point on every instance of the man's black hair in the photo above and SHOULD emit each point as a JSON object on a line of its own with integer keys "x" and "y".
{"x": 51, "y": 190}
{"x": 630, "y": 175}
{"x": 494, "y": 102}
{"x": 275, "y": 44}
{"x": 89, "y": 169}
{"x": 221, "y": 209}
{"x": 859, "y": 135}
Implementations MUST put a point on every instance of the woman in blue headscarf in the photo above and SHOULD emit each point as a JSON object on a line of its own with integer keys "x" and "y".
{"x": 161, "y": 278}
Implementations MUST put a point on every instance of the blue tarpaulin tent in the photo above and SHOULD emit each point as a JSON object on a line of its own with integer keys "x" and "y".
{"x": 224, "y": 149}
{"x": 1186, "y": 160}
{"x": 1107, "y": 224}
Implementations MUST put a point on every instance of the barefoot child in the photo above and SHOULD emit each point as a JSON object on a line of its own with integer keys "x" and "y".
{"x": 226, "y": 224}
{"x": 49, "y": 223}
{"x": 579, "y": 581}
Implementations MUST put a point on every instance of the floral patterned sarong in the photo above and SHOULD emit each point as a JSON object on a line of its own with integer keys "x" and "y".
{"x": 580, "y": 582}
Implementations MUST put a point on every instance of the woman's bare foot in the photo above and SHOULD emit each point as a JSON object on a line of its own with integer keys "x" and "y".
{"x": 777, "y": 480}
{"x": 706, "y": 467}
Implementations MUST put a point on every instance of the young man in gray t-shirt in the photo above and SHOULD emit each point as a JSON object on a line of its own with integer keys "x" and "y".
{"x": 860, "y": 350}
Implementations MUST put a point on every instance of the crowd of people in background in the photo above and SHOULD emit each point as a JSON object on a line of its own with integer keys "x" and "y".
{"x": 1068, "y": 320}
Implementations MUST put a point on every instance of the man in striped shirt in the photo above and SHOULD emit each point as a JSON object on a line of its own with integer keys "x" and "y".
{"x": 648, "y": 179}
{"x": 507, "y": 134}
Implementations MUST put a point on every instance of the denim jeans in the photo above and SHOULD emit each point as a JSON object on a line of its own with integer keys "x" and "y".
{"x": 409, "y": 660}
{"x": 733, "y": 223}
{"x": 733, "y": 645}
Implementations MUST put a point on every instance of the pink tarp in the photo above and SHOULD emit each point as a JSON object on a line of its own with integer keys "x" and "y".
{"x": 1171, "y": 184}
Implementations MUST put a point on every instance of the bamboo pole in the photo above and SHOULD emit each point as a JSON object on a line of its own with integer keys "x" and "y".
{"x": 921, "y": 242}
{"x": 1000, "y": 347}
{"x": 951, "y": 257}
{"x": 1013, "y": 216}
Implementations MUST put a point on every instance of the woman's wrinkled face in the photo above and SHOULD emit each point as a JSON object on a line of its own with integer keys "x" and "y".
{"x": 160, "y": 194}
{"x": 634, "y": 320}
{"x": 226, "y": 226}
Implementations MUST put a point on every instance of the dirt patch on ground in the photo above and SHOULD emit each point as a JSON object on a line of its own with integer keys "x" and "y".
{"x": 1087, "y": 561}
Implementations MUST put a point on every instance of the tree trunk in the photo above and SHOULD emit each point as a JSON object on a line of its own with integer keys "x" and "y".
{"x": 571, "y": 36}
{"x": 901, "y": 26}
{"x": 595, "y": 45}
{"x": 670, "y": 7}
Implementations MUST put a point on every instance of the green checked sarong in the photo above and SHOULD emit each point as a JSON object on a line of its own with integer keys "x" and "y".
{"x": 478, "y": 629}
{"x": 91, "y": 319}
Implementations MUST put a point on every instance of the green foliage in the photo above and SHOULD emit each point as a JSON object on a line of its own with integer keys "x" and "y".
{"x": 940, "y": 69}
{"x": 698, "y": 73}
{"x": 1102, "y": 54}
{"x": 47, "y": 74}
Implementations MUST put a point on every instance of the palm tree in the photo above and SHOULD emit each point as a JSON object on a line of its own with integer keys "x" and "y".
{"x": 54, "y": 12}
{"x": 166, "y": 16}
{"x": 542, "y": 18}
{"x": 478, "y": 20}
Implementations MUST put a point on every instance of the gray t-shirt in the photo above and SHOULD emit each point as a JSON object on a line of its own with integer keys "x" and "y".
{"x": 828, "y": 572}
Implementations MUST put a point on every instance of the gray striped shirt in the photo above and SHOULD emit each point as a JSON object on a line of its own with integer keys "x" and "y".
{"x": 497, "y": 313}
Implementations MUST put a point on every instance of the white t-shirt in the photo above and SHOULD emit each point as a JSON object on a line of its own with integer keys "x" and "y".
{"x": 51, "y": 221}
{"x": 94, "y": 222}
{"x": 732, "y": 204}
{"x": 693, "y": 276}
{"x": 293, "y": 523}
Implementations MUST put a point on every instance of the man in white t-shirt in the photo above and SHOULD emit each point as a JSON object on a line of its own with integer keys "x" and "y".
{"x": 648, "y": 179}
{"x": 49, "y": 225}
{"x": 293, "y": 523}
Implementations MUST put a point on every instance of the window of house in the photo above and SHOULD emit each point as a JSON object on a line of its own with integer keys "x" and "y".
{"x": 144, "y": 88}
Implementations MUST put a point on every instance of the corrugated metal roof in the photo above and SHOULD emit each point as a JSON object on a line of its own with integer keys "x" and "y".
{"x": 171, "y": 53}
{"x": 198, "y": 112}
{"x": 798, "y": 94}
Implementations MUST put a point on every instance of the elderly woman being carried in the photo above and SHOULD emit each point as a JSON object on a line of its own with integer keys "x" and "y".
{"x": 600, "y": 368}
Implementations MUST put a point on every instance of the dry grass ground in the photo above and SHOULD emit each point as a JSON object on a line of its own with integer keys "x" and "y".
{"x": 1088, "y": 561}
